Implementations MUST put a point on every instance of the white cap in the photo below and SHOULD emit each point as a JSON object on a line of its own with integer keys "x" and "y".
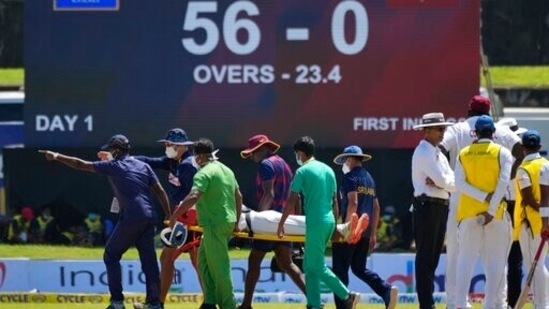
{"x": 512, "y": 124}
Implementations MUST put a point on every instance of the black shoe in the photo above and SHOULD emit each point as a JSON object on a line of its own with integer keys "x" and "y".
{"x": 147, "y": 306}
{"x": 207, "y": 306}
{"x": 116, "y": 305}
{"x": 352, "y": 300}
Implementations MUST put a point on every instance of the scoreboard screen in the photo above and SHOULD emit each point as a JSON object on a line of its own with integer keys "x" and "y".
{"x": 344, "y": 71}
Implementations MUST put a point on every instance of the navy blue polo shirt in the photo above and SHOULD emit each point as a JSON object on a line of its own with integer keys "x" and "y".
{"x": 131, "y": 180}
{"x": 180, "y": 177}
{"x": 359, "y": 180}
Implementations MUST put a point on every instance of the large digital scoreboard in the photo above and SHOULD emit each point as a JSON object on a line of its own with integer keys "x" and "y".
{"x": 342, "y": 72}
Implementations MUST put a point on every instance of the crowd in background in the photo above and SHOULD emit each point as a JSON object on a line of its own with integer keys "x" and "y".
{"x": 25, "y": 225}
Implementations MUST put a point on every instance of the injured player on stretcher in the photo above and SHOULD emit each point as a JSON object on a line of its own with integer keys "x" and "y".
{"x": 266, "y": 223}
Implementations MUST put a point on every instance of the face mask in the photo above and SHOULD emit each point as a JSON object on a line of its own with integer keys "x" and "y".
{"x": 108, "y": 156}
{"x": 298, "y": 160}
{"x": 345, "y": 168}
{"x": 171, "y": 152}
{"x": 105, "y": 156}
{"x": 387, "y": 217}
{"x": 195, "y": 164}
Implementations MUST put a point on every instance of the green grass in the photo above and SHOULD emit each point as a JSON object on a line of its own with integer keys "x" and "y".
{"x": 519, "y": 76}
{"x": 79, "y": 253}
{"x": 12, "y": 76}
{"x": 502, "y": 76}
{"x": 194, "y": 306}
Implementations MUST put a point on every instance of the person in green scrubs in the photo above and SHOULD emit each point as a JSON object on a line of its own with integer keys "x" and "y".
{"x": 317, "y": 183}
{"x": 218, "y": 203}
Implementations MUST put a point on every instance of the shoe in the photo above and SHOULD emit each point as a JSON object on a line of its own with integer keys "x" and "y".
{"x": 352, "y": 300}
{"x": 116, "y": 305}
{"x": 311, "y": 307}
{"x": 391, "y": 298}
{"x": 207, "y": 306}
{"x": 360, "y": 228}
{"x": 353, "y": 223}
{"x": 147, "y": 306}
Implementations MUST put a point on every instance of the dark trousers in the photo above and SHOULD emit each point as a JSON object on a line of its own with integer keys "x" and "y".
{"x": 429, "y": 231}
{"x": 344, "y": 256}
{"x": 514, "y": 265}
{"x": 126, "y": 234}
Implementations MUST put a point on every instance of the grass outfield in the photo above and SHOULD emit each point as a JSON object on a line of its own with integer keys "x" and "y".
{"x": 504, "y": 76}
{"x": 193, "y": 306}
{"x": 519, "y": 76}
{"x": 79, "y": 253}
{"x": 12, "y": 76}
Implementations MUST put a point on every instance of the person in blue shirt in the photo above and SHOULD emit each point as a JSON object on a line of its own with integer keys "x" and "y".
{"x": 358, "y": 195}
{"x": 178, "y": 163}
{"x": 132, "y": 182}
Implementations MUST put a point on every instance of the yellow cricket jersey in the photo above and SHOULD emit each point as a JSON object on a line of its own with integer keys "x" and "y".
{"x": 43, "y": 223}
{"x": 21, "y": 223}
{"x": 533, "y": 168}
{"x": 94, "y": 226}
{"x": 481, "y": 166}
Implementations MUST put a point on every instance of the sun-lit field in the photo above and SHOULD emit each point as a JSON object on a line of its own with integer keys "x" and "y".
{"x": 189, "y": 306}
{"x": 502, "y": 76}
{"x": 81, "y": 253}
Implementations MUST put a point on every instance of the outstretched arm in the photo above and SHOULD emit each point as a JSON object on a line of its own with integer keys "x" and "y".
{"x": 72, "y": 162}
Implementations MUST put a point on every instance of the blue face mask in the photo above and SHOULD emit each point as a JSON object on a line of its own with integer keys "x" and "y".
{"x": 92, "y": 217}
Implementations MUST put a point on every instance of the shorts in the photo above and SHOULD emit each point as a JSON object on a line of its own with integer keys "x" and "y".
{"x": 191, "y": 236}
{"x": 267, "y": 246}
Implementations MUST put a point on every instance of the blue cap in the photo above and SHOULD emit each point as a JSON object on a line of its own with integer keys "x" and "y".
{"x": 531, "y": 139}
{"x": 177, "y": 136}
{"x": 351, "y": 151}
{"x": 484, "y": 123}
{"x": 117, "y": 141}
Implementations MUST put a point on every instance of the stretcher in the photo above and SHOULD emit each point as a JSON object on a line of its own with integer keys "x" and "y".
{"x": 258, "y": 236}
{"x": 358, "y": 227}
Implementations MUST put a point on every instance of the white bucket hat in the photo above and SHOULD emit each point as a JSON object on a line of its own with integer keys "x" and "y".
{"x": 433, "y": 120}
{"x": 512, "y": 124}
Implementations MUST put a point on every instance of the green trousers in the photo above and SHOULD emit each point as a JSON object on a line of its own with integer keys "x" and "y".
{"x": 314, "y": 265}
{"x": 214, "y": 266}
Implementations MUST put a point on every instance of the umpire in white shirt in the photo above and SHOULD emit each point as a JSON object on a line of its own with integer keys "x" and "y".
{"x": 433, "y": 179}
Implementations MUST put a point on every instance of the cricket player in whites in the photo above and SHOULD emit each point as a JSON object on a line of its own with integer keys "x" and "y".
{"x": 532, "y": 212}
{"x": 482, "y": 174}
{"x": 456, "y": 137}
